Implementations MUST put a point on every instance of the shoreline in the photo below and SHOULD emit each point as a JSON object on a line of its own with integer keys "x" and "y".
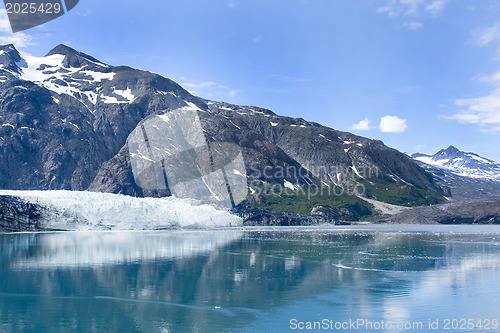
{"x": 18, "y": 215}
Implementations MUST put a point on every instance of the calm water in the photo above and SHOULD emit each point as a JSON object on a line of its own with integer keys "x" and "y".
{"x": 251, "y": 280}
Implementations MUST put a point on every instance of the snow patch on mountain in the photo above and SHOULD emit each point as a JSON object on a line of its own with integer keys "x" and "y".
{"x": 98, "y": 76}
{"x": 289, "y": 185}
{"x": 125, "y": 96}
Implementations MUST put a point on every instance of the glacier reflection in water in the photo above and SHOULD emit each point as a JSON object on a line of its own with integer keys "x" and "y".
{"x": 245, "y": 280}
{"x": 86, "y": 249}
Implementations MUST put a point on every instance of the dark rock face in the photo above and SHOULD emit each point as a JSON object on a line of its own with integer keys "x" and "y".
{"x": 69, "y": 131}
{"x": 253, "y": 216}
{"x": 17, "y": 215}
{"x": 353, "y": 212}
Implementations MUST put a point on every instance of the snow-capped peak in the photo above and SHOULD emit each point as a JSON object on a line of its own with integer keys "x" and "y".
{"x": 50, "y": 72}
{"x": 74, "y": 57}
{"x": 462, "y": 163}
{"x": 65, "y": 71}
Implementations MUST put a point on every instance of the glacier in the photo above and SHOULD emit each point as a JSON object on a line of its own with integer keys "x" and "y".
{"x": 92, "y": 211}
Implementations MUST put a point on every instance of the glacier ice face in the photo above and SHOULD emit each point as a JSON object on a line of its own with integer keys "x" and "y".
{"x": 81, "y": 211}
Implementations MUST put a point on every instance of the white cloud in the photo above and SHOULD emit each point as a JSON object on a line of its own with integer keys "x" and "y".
{"x": 413, "y": 25}
{"x": 412, "y": 6}
{"x": 84, "y": 13}
{"x": 487, "y": 36}
{"x": 258, "y": 39}
{"x": 483, "y": 110}
{"x": 392, "y": 124}
{"x": 290, "y": 78}
{"x": 436, "y": 7}
{"x": 231, "y": 4}
{"x": 415, "y": 8}
{"x": 19, "y": 39}
{"x": 390, "y": 9}
{"x": 199, "y": 85}
{"x": 490, "y": 79}
{"x": 209, "y": 89}
{"x": 363, "y": 125}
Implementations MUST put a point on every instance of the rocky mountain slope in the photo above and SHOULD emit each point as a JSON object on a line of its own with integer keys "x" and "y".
{"x": 65, "y": 119}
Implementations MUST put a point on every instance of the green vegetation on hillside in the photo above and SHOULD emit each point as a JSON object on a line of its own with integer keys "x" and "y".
{"x": 398, "y": 193}
{"x": 331, "y": 202}
{"x": 339, "y": 203}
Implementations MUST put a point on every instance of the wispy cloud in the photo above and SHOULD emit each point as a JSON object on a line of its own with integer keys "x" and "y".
{"x": 436, "y": 7}
{"x": 209, "y": 89}
{"x": 489, "y": 79}
{"x": 258, "y": 39}
{"x": 84, "y": 13}
{"x": 231, "y": 4}
{"x": 415, "y": 8}
{"x": 413, "y": 25}
{"x": 483, "y": 111}
{"x": 290, "y": 78}
{"x": 19, "y": 39}
{"x": 392, "y": 124}
{"x": 487, "y": 36}
{"x": 362, "y": 125}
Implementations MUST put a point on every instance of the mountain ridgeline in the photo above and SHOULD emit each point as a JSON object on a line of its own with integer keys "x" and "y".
{"x": 65, "y": 119}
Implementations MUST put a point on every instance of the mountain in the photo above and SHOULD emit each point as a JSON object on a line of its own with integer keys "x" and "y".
{"x": 461, "y": 163}
{"x": 466, "y": 174}
{"x": 66, "y": 119}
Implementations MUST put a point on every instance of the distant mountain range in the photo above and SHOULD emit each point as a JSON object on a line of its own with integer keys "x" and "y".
{"x": 65, "y": 119}
{"x": 462, "y": 164}
{"x": 466, "y": 174}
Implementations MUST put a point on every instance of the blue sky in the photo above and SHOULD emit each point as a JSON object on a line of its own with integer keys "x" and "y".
{"x": 418, "y": 74}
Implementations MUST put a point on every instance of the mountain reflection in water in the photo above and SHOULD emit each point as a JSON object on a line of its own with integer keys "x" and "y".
{"x": 243, "y": 280}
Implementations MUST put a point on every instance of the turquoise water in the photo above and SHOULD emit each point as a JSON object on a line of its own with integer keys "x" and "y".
{"x": 253, "y": 280}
